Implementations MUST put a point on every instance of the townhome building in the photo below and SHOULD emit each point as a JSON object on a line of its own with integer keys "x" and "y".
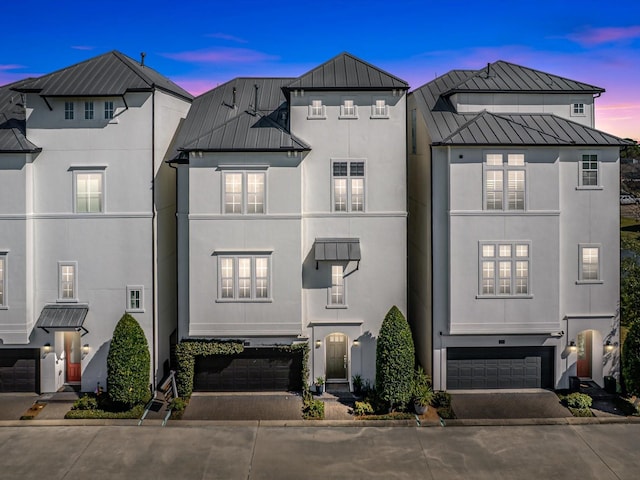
{"x": 87, "y": 219}
{"x": 292, "y": 223}
{"x": 513, "y": 230}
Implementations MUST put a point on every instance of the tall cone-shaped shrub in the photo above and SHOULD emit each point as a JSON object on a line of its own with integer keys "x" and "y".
{"x": 395, "y": 360}
{"x": 631, "y": 359}
{"x": 128, "y": 364}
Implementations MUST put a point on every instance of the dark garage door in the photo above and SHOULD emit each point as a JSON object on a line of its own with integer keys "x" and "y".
{"x": 507, "y": 367}
{"x": 19, "y": 370}
{"x": 255, "y": 369}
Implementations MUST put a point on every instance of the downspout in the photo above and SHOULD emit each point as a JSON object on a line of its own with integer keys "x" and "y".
{"x": 154, "y": 235}
{"x": 593, "y": 110}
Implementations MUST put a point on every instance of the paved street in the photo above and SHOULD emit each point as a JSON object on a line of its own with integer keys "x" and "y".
{"x": 256, "y": 451}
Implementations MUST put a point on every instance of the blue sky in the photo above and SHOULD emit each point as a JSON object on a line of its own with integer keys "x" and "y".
{"x": 200, "y": 44}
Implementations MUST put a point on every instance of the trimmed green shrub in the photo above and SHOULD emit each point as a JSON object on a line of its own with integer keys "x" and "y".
{"x": 135, "y": 412}
{"x": 128, "y": 364}
{"x": 362, "y": 408}
{"x": 85, "y": 403}
{"x": 312, "y": 409}
{"x": 631, "y": 359}
{"x": 441, "y": 399}
{"x": 578, "y": 400}
{"x": 395, "y": 357}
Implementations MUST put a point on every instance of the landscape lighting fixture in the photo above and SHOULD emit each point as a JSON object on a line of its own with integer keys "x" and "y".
{"x": 573, "y": 347}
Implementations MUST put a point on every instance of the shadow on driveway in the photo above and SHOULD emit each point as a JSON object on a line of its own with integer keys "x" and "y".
{"x": 14, "y": 405}
{"x": 244, "y": 406}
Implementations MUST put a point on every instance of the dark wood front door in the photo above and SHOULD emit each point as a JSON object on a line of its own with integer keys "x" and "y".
{"x": 337, "y": 356}
{"x": 584, "y": 354}
{"x": 73, "y": 356}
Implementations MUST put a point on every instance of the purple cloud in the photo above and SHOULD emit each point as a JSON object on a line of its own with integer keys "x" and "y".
{"x": 224, "y": 36}
{"x": 10, "y": 66}
{"x": 597, "y": 36}
{"x": 82, "y": 47}
{"x": 221, "y": 55}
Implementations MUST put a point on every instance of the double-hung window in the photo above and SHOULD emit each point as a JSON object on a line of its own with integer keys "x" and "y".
{"x": 244, "y": 278}
{"x": 505, "y": 181}
{"x": 244, "y": 192}
{"x": 3, "y": 279}
{"x": 68, "y": 111}
{"x": 380, "y": 109}
{"x": 348, "y": 109}
{"x": 337, "y": 289}
{"x": 88, "y": 110}
{"x": 67, "y": 281}
{"x": 504, "y": 269}
{"x": 589, "y": 264}
{"x": 317, "y": 109}
{"x": 89, "y": 192}
{"x": 135, "y": 298}
{"x": 348, "y": 186}
{"x": 589, "y": 170}
{"x": 108, "y": 110}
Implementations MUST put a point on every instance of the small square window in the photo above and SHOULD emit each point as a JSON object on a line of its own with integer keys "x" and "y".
{"x": 577, "y": 109}
{"x": 88, "y": 110}
{"x": 135, "y": 299}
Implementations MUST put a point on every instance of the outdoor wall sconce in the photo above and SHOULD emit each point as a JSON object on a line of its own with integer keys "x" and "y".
{"x": 356, "y": 343}
{"x": 608, "y": 347}
{"x": 573, "y": 347}
{"x": 46, "y": 349}
{"x": 85, "y": 350}
{"x": 318, "y": 343}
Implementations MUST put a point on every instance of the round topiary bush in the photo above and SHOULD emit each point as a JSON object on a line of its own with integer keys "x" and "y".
{"x": 128, "y": 364}
{"x": 395, "y": 358}
{"x": 631, "y": 359}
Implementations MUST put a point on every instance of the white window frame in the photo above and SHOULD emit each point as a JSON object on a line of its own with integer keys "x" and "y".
{"x": 100, "y": 171}
{"x": 505, "y": 260}
{"x": 582, "y": 171}
{"x": 62, "y": 282}
{"x": 379, "y": 108}
{"x": 505, "y": 168}
{"x": 581, "y": 264}
{"x": 3, "y": 280}
{"x": 578, "y": 109}
{"x": 129, "y": 307}
{"x": 336, "y": 285}
{"x": 108, "y": 110}
{"x": 89, "y": 112}
{"x": 245, "y": 195}
{"x": 348, "y": 109}
{"x": 252, "y": 277}
{"x": 317, "y": 110}
{"x": 69, "y": 110}
{"x": 349, "y": 179}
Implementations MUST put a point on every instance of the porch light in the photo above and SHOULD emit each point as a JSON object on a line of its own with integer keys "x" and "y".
{"x": 47, "y": 348}
{"x": 573, "y": 347}
{"x": 608, "y": 346}
{"x": 356, "y": 343}
{"x": 85, "y": 349}
{"x": 318, "y": 343}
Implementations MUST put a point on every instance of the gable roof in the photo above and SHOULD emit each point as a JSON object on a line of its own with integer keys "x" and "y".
{"x": 216, "y": 123}
{"x": 347, "y": 72}
{"x": 109, "y": 74}
{"x": 503, "y": 76}
{"x": 12, "y": 123}
{"x": 447, "y": 127}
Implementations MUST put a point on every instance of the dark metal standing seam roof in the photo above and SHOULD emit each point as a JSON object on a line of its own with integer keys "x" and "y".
{"x": 216, "y": 123}
{"x": 13, "y": 123}
{"x": 110, "y": 74}
{"x": 447, "y": 127}
{"x": 62, "y": 316}
{"x": 347, "y": 72}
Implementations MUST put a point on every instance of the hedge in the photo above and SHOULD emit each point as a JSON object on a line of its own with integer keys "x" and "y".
{"x": 631, "y": 359}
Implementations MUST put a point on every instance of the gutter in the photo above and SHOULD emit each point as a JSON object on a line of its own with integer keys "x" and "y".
{"x": 154, "y": 250}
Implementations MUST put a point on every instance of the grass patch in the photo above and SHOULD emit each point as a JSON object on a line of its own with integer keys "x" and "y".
{"x": 389, "y": 416}
{"x": 135, "y": 413}
{"x": 629, "y": 228}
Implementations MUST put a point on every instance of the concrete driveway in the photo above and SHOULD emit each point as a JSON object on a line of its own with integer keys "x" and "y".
{"x": 507, "y": 404}
{"x": 240, "y": 406}
{"x": 13, "y": 405}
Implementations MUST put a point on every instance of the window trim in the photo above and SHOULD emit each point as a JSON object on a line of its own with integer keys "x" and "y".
{"x": 89, "y": 171}
{"x": 505, "y": 168}
{"x": 69, "y": 110}
{"x": 235, "y": 256}
{"x": 311, "y": 115}
{"x": 89, "y": 110}
{"x": 581, "y": 280}
{"x": 349, "y": 177}
{"x": 61, "y": 298}
{"x": 348, "y": 116}
{"x": 4, "y": 304}
{"x": 374, "y": 109}
{"x": 581, "y": 185}
{"x": 129, "y": 290}
{"x": 344, "y": 303}
{"x": 109, "y": 110}
{"x": 496, "y": 259}
{"x": 573, "y": 108}
{"x": 244, "y": 193}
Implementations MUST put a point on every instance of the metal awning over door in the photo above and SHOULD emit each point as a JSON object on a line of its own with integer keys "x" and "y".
{"x": 63, "y": 317}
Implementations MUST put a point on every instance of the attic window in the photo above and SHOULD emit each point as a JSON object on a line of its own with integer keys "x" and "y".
{"x": 577, "y": 110}
{"x": 68, "y": 110}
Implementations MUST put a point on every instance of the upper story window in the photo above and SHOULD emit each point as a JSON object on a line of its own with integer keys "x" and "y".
{"x": 348, "y": 109}
{"x": 348, "y": 186}
{"x": 505, "y": 186}
{"x": 589, "y": 170}
{"x": 504, "y": 268}
{"x": 108, "y": 110}
{"x": 88, "y": 110}
{"x": 67, "y": 282}
{"x": 244, "y": 192}
{"x": 3, "y": 279}
{"x": 380, "y": 109}
{"x": 89, "y": 192}
{"x": 317, "y": 109}
{"x": 135, "y": 299}
{"x": 68, "y": 110}
{"x": 589, "y": 264}
{"x": 577, "y": 109}
{"x": 337, "y": 292}
{"x": 244, "y": 278}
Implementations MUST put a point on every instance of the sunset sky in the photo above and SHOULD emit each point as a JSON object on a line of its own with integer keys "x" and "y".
{"x": 201, "y": 44}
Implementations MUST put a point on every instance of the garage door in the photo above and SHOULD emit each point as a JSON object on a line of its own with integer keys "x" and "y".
{"x": 508, "y": 367}
{"x": 256, "y": 369}
{"x": 19, "y": 370}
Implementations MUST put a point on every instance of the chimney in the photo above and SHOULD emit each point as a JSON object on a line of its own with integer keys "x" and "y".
{"x": 142, "y": 55}
{"x": 255, "y": 105}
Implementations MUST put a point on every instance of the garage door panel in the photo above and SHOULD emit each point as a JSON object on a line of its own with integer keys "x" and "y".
{"x": 19, "y": 370}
